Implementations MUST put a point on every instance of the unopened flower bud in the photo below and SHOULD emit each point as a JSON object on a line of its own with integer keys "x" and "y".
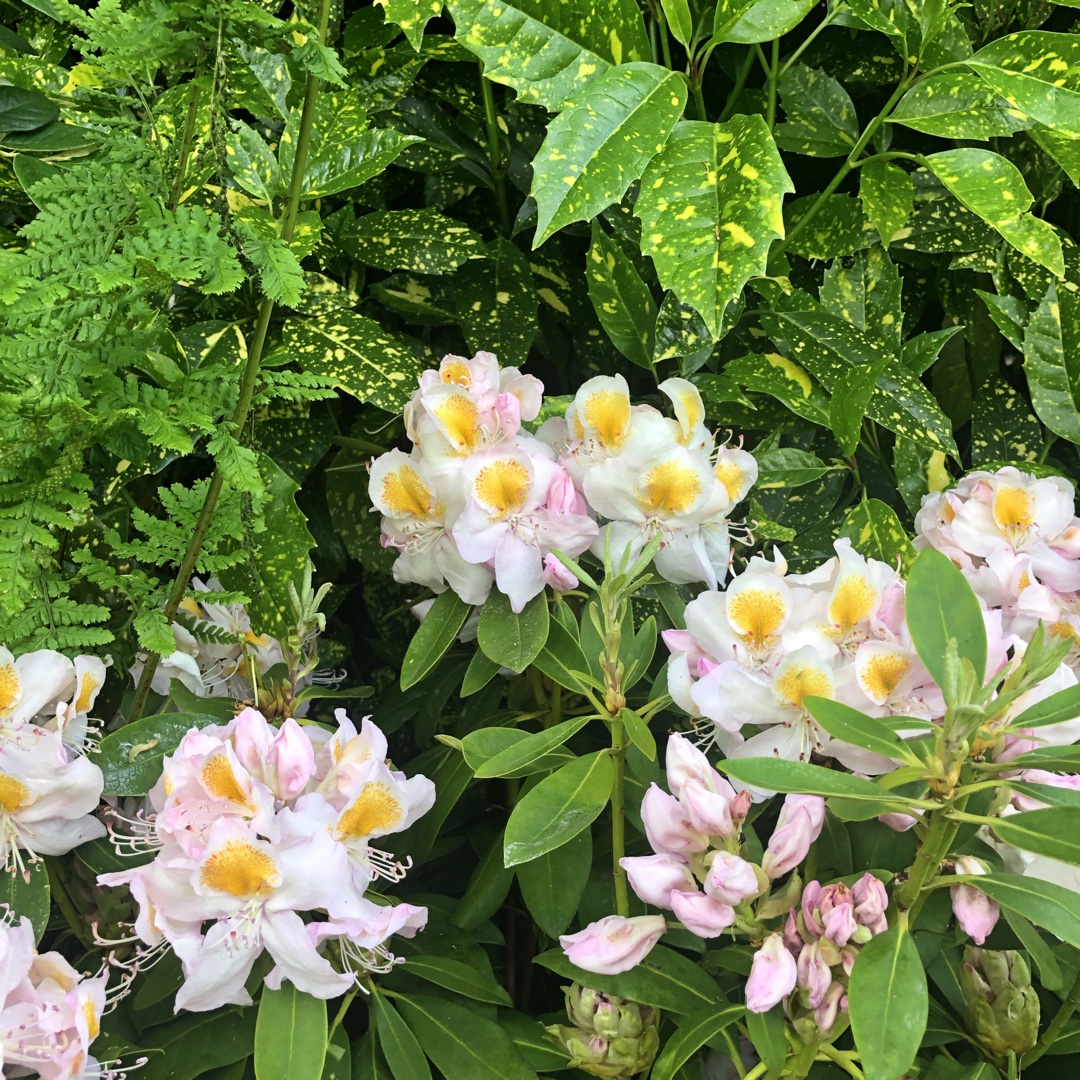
{"x": 667, "y": 825}
{"x": 731, "y": 880}
{"x": 557, "y": 575}
{"x": 1002, "y": 1005}
{"x": 798, "y": 826}
{"x": 653, "y": 877}
{"x": 976, "y": 913}
{"x": 613, "y": 944}
{"x": 871, "y": 903}
{"x": 773, "y": 975}
{"x": 701, "y": 914}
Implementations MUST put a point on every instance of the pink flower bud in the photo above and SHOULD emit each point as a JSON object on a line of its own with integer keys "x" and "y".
{"x": 667, "y": 825}
{"x": 897, "y": 822}
{"x": 563, "y": 497}
{"x": 976, "y": 913}
{"x": 708, "y": 811}
{"x": 557, "y": 576}
{"x": 701, "y": 914}
{"x": 653, "y": 877}
{"x": 840, "y": 924}
{"x": 291, "y": 760}
{"x": 684, "y": 762}
{"x": 834, "y": 1002}
{"x": 731, "y": 880}
{"x": 613, "y": 944}
{"x": 792, "y": 938}
{"x": 773, "y": 975}
{"x": 871, "y": 903}
{"x": 740, "y": 807}
{"x": 815, "y": 976}
{"x": 798, "y": 826}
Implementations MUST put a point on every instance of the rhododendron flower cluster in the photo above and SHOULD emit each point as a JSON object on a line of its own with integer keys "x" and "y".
{"x": 49, "y": 1013}
{"x": 48, "y": 788}
{"x": 481, "y": 502}
{"x": 255, "y": 826}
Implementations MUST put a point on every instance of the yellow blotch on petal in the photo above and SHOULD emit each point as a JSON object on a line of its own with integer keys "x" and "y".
{"x": 220, "y": 781}
{"x": 882, "y": 674}
{"x": 240, "y": 869}
{"x": 461, "y": 418}
{"x": 93, "y": 1028}
{"x": 672, "y": 487}
{"x": 607, "y": 412}
{"x": 1065, "y": 630}
{"x": 757, "y": 615}
{"x": 733, "y": 476}
{"x": 455, "y": 372}
{"x": 87, "y": 685}
{"x": 374, "y": 810}
{"x": 503, "y": 486}
{"x": 13, "y": 793}
{"x": 1014, "y": 511}
{"x": 10, "y": 688}
{"x": 405, "y": 493}
{"x": 852, "y": 602}
{"x": 800, "y": 681}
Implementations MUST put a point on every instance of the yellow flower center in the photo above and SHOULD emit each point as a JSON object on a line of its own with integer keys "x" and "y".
{"x": 461, "y": 419}
{"x": 503, "y": 486}
{"x": 10, "y": 688}
{"x": 240, "y": 869}
{"x": 671, "y": 487}
{"x": 220, "y": 781}
{"x": 403, "y": 492}
{"x": 1014, "y": 511}
{"x": 883, "y": 673}
{"x": 853, "y": 601}
{"x": 757, "y": 615}
{"x": 375, "y": 809}
{"x": 1064, "y": 630}
{"x": 455, "y": 372}
{"x": 733, "y": 477}
{"x": 13, "y": 793}
{"x": 607, "y": 412}
{"x": 800, "y": 681}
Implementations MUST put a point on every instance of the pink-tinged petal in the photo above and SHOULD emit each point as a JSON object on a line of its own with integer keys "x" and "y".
{"x": 773, "y": 975}
{"x": 215, "y": 970}
{"x": 700, "y": 914}
{"x": 291, "y": 760}
{"x": 653, "y": 877}
{"x": 288, "y": 942}
{"x": 613, "y": 944}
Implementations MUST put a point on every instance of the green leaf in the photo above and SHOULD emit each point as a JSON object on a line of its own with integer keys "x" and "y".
{"x": 252, "y": 162}
{"x": 710, "y": 209}
{"x": 1037, "y": 73}
{"x": 558, "y": 808}
{"x": 412, "y": 16}
{"x": 553, "y": 884}
{"x": 887, "y": 196}
{"x": 875, "y": 531}
{"x": 1050, "y": 906}
{"x": 665, "y": 979}
{"x": 625, "y": 307}
{"x": 800, "y": 777}
{"x": 639, "y": 733}
{"x": 941, "y": 606}
{"x": 290, "y": 1035}
{"x": 993, "y": 187}
{"x": 1003, "y": 425}
{"x": 496, "y": 303}
{"x": 548, "y": 50}
{"x": 280, "y": 274}
{"x": 1050, "y": 758}
{"x": 840, "y": 227}
{"x": 433, "y": 637}
{"x": 783, "y": 379}
{"x": 850, "y": 399}
{"x": 889, "y": 17}
{"x": 480, "y": 672}
{"x": 957, "y": 105}
{"x": 55, "y": 138}
{"x": 194, "y": 1043}
{"x": 131, "y": 757}
{"x": 821, "y": 119}
{"x": 25, "y": 110}
{"x": 1064, "y": 149}
{"x": 595, "y": 150}
{"x": 513, "y": 639}
{"x": 398, "y": 1044}
{"x": 422, "y": 241}
{"x": 1051, "y": 832}
{"x": 888, "y": 1004}
{"x": 690, "y": 1036}
{"x": 534, "y": 1044}
{"x": 524, "y": 751}
{"x": 851, "y": 726}
{"x": 362, "y": 358}
{"x": 1039, "y": 951}
{"x": 680, "y": 20}
{"x": 561, "y": 656}
{"x": 766, "y": 1031}
{"x": 1052, "y": 362}
{"x": 1055, "y": 709}
{"x": 867, "y": 294}
{"x": 456, "y": 976}
{"x": 462, "y": 1044}
{"x": 28, "y": 899}
{"x": 787, "y": 467}
{"x": 751, "y": 21}
{"x": 484, "y": 743}
{"x": 680, "y": 331}
{"x": 487, "y": 888}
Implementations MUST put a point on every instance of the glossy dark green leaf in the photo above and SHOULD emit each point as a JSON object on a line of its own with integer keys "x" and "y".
{"x": 839, "y": 227}
{"x": 433, "y": 637}
{"x": 398, "y": 1044}
{"x": 1051, "y": 832}
{"x": 1003, "y": 425}
{"x": 680, "y": 20}
{"x": 876, "y": 532}
{"x": 487, "y": 888}
{"x": 412, "y": 16}
{"x": 766, "y": 1031}
{"x": 513, "y": 639}
{"x": 194, "y": 1043}
{"x": 821, "y": 118}
{"x": 522, "y": 752}
{"x": 867, "y": 294}
{"x": 290, "y": 1035}
{"x": 1052, "y": 362}
{"x": 623, "y": 303}
{"x": 422, "y": 241}
{"x": 1055, "y": 709}
{"x": 800, "y": 777}
{"x": 552, "y": 885}
{"x": 692, "y": 1034}
{"x": 558, "y": 808}
{"x": 28, "y": 899}
{"x": 131, "y": 757}
{"x": 457, "y": 977}
{"x": 1050, "y": 758}
{"x": 480, "y": 672}
{"x": 561, "y": 656}
{"x": 783, "y": 379}
{"x": 750, "y": 21}
{"x": 25, "y": 110}
{"x": 252, "y": 163}
{"x": 55, "y": 138}
{"x": 851, "y": 396}
{"x": 851, "y": 726}
{"x": 788, "y": 467}
{"x": 497, "y": 302}
{"x": 1043, "y": 954}
{"x": 1043, "y": 903}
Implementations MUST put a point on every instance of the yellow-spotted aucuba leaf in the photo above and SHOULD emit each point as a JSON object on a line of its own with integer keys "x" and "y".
{"x": 867, "y": 295}
{"x": 497, "y": 303}
{"x": 548, "y": 50}
{"x": 426, "y": 299}
{"x": 343, "y": 152}
{"x": 918, "y": 471}
{"x": 412, "y": 16}
{"x": 423, "y": 241}
{"x": 787, "y": 467}
{"x": 1037, "y": 73}
{"x": 839, "y": 227}
{"x": 1052, "y": 360}
{"x": 262, "y": 83}
{"x": 1003, "y": 426}
{"x": 992, "y": 187}
{"x": 623, "y": 303}
{"x": 361, "y": 357}
{"x": 887, "y": 197}
{"x": 921, "y": 350}
{"x": 595, "y": 149}
{"x": 710, "y": 207}
{"x": 821, "y": 119}
{"x": 252, "y": 162}
{"x": 940, "y": 224}
{"x": 750, "y": 21}
{"x": 680, "y": 20}
{"x": 1064, "y": 149}
{"x": 958, "y": 105}
{"x": 680, "y": 331}
{"x": 876, "y": 532}
{"x": 307, "y": 232}
{"x": 892, "y": 18}
{"x": 783, "y": 379}
{"x": 1009, "y": 314}
{"x": 828, "y": 347}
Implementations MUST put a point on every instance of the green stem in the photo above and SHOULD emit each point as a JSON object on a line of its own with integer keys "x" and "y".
{"x": 186, "y": 142}
{"x": 1049, "y": 1036}
{"x": 740, "y": 82}
{"x": 699, "y": 98}
{"x": 827, "y": 21}
{"x": 247, "y": 384}
{"x": 829, "y": 1051}
{"x": 939, "y": 837}
{"x": 760, "y": 1069}
{"x": 346, "y": 1002}
{"x": 849, "y": 164}
{"x": 618, "y": 816}
{"x": 665, "y": 41}
{"x": 495, "y": 153}
{"x": 774, "y": 83}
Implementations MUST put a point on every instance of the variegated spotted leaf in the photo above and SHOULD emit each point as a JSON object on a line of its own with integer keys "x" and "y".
{"x": 497, "y": 302}
{"x": 1037, "y": 73}
{"x": 548, "y": 50}
{"x": 748, "y": 22}
{"x": 252, "y": 163}
{"x": 625, "y": 307}
{"x": 264, "y": 86}
{"x": 875, "y": 531}
{"x": 821, "y": 119}
{"x": 787, "y": 467}
{"x": 889, "y": 17}
{"x": 867, "y": 295}
{"x": 680, "y": 20}
{"x": 1064, "y": 149}
{"x": 783, "y": 379}
{"x": 412, "y": 16}
{"x": 839, "y": 227}
{"x": 921, "y": 350}
{"x": 680, "y": 331}
{"x": 361, "y": 357}
{"x": 710, "y": 207}
{"x": 918, "y": 471}
{"x": 597, "y": 148}
{"x": 1052, "y": 362}
{"x": 850, "y": 398}
{"x": 958, "y": 105}
{"x": 887, "y": 196}
{"x": 940, "y": 224}
{"x": 828, "y": 347}
{"x": 343, "y": 153}
{"x": 423, "y": 241}
{"x": 1003, "y": 427}
{"x": 992, "y": 187}
{"x": 1009, "y": 315}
